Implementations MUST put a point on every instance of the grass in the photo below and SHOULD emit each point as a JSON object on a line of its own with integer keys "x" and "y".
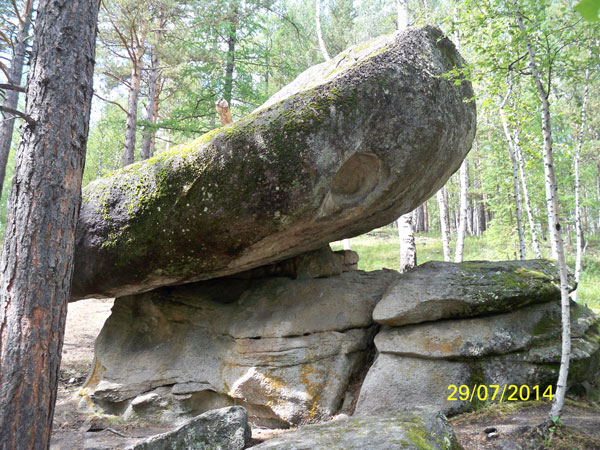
{"x": 380, "y": 248}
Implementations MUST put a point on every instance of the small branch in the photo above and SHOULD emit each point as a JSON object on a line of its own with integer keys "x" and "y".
{"x": 4, "y": 69}
{"x": 22, "y": 115}
{"x": 12, "y": 87}
{"x": 112, "y": 102}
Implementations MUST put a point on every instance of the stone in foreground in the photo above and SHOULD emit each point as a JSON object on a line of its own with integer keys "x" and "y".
{"x": 350, "y": 145}
{"x": 442, "y": 290}
{"x": 419, "y": 428}
{"x": 222, "y": 429}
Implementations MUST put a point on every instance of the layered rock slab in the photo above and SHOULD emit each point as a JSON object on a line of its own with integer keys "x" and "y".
{"x": 418, "y": 428}
{"x": 222, "y": 429}
{"x": 440, "y": 290}
{"x": 350, "y": 145}
{"x": 417, "y": 363}
{"x": 285, "y": 349}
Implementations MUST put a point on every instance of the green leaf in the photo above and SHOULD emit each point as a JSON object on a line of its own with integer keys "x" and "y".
{"x": 589, "y": 9}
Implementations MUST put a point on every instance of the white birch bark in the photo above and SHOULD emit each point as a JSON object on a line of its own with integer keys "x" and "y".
{"x": 532, "y": 225}
{"x": 408, "y": 250}
{"x": 462, "y": 226}
{"x": 402, "y": 9}
{"x": 442, "y": 200}
{"x": 555, "y": 229}
{"x": 319, "y": 32}
{"x": 578, "y": 225}
{"x": 515, "y": 172}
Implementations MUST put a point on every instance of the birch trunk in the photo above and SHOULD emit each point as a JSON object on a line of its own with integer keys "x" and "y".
{"x": 442, "y": 200}
{"x": 532, "y": 225}
{"x": 462, "y": 226}
{"x": 408, "y": 249}
{"x": 515, "y": 172}
{"x": 12, "y": 97}
{"x": 578, "y": 225}
{"x": 554, "y": 228}
{"x": 37, "y": 258}
{"x": 319, "y": 32}
{"x": 402, "y": 9}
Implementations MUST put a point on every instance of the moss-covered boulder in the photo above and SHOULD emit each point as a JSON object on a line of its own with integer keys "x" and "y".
{"x": 350, "y": 145}
{"x": 443, "y": 290}
{"x": 417, "y": 428}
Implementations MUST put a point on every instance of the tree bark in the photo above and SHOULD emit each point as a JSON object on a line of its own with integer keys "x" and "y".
{"x": 132, "y": 105}
{"x": 152, "y": 103}
{"x": 12, "y": 96}
{"x": 402, "y": 10}
{"x": 515, "y": 171}
{"x": 577, "y": 162}
{"x": 408, "y": 249}
{"x": 319, "y": 32}
{"x": 532, "y": 225}
{"x": 444, "y": 222}
{"x": 37, "y": 259}
{"x": 230, "y": 66}
{"x": 554, "y": 224}
{"x": 462, "y": 226}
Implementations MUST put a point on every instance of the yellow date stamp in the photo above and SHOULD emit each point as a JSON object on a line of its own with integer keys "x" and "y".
{"x": 496, "y": 392}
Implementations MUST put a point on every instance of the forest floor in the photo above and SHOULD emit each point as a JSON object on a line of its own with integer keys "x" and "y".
{"x": 515, "y": 423}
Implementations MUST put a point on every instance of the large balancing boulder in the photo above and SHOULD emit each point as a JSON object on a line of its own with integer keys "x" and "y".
{"x": 348, "y": 146}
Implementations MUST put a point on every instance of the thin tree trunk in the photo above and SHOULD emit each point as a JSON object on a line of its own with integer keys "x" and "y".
{"x": 12, "y": 96}
{"x": 578, "y": 226}
{"x": 555, "y": 229}
{"x": 425, "y": 218}
{"x": 402, "y": 9}
{"x": 532, "y": 225}
{"x": 230, "y": 66}
{"x": 37, "y": 259}
{"x": 515, "y": 171}
{"x": 598, "y": 194}
{"x": 319, "y": 32}
{"x": 462, "y": 226}
{"x": 132, "y": 105}
{"x": 408, "y": 249}
{"x": 444, "y": 222}
{"x": 152, "y": 102}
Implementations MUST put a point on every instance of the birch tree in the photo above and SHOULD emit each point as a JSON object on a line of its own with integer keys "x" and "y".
{"x": 37, "y": 258}
{"x": 442, "y": 199}
{"x": 462, "y": 226}
{"x": 553, "y": 216}
{"x": 319, "y": 30}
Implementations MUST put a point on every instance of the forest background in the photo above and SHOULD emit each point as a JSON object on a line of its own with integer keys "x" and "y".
{"x": 162, "y": 65}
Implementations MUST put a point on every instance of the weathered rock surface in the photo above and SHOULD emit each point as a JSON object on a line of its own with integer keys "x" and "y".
{"x": 222, "y": 429}
{"x": 417, "y": 363}
{"x": 442, "y": 290}
{"x": 350, "y": 145}
{"x": 417, "y": 428}
{"x": 285, "y": 349}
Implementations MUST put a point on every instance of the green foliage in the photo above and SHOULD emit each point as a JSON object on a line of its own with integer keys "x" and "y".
{"x": 590, "y": 9}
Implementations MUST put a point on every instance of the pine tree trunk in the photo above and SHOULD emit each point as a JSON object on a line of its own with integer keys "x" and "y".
{"x": 132, "y": 106}
{"x": 532, "y": 225}
{"x": 12, "y": 97}
{"x": 408, "y": 249}
{"x": 444, "y": 222}
{"x": 515, "y": 172}
{"x": 37, "y": 259}
{"x": 462, "y": 226}
{"x": 554, "y": 225}
{"x": 230, "y": 66}
{"x": 578, "y": 226}
{"x": 148, "y": 136}
{"x": 319, "y": 32}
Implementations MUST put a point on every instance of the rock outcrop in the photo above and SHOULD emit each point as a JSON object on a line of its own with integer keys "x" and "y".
{"x": 417, "y": 428}
{"x": 477, "y": 343}
{"x": 284, "y": 348}
{"x": 348, "y": 146}
{"x": 223, "y": 429}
